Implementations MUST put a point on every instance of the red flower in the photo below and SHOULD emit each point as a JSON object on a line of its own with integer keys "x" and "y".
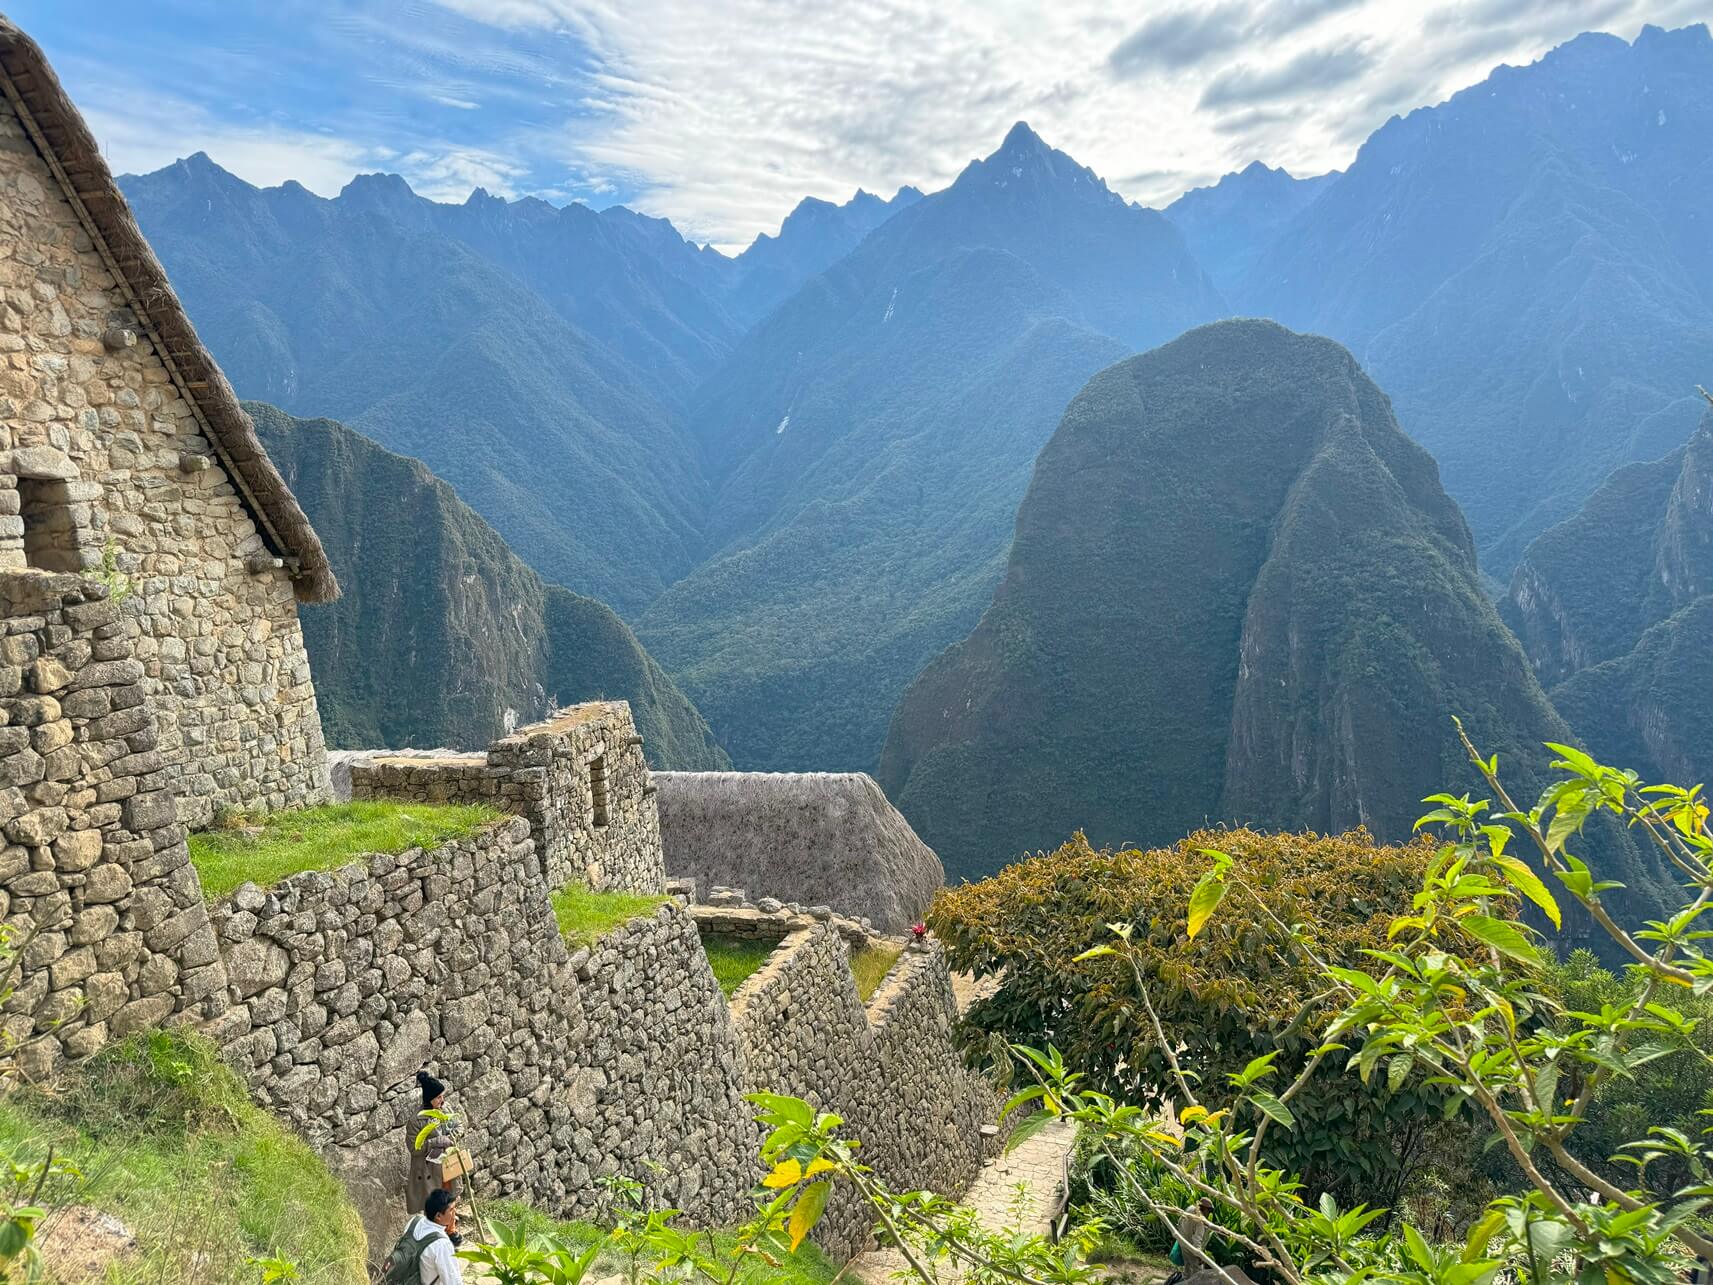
{"x": 919, "y": 930}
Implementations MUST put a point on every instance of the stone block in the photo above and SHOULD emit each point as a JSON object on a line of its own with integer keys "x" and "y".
{"x": 77, "y": 850}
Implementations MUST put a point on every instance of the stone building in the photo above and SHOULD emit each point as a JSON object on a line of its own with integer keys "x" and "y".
{"x": 124, "y": 452}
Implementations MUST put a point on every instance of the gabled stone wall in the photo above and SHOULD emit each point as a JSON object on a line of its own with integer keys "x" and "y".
{"x": 92, "y": 858}
{"x": 579, "y": 778}
{"x": 109, "y": 455}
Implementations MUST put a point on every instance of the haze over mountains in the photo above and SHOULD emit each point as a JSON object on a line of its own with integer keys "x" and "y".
{"x": 797, "y": 472}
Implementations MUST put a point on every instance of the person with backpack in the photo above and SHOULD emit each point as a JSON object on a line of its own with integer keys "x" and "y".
{"x": 423, "y": 1253}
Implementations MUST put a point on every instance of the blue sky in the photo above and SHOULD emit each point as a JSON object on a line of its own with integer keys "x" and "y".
{"x": 722, "y": 114}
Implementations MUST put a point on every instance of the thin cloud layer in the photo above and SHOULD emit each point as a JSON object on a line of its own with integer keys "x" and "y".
{"x": 722, "y": 117}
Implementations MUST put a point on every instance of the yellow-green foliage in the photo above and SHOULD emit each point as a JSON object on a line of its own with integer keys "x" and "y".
{"x": 870, "y": 966}
{"x": 735, "y": 959}
{"x": 167, "y": 1141}
{"x": 1242, "y": 988}
{"x": 585, "y": 914}
{"x": 808, "y": 1266}
{"x": 281, "y": 844}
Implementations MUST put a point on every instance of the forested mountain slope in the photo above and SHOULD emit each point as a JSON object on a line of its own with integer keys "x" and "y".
{"x": 442, "y": 635}
{"x": 1615, "y": 608}
{"x": 869, "y": 441}
{"x": 1237, "y": 592}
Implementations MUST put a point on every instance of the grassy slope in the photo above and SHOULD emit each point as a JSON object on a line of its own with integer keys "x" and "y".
{"x": 324, "y": 838}
{"x": 167, "y": 1141}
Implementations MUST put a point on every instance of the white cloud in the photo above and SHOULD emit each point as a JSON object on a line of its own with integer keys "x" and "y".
{"x": 721, "y": 116}
{"x": 145, "y": 131}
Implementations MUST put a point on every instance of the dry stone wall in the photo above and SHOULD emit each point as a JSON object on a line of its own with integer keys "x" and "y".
{"x": 92, "y": 858}
{"x": 579, "y": 778}
{"x": 565, "y": 1066}
{"x": 890, "y": 1069}
{"x": 99, "y": 451}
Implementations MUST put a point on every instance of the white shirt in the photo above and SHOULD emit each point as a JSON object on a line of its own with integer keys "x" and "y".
{"x": 439, "y": 1266}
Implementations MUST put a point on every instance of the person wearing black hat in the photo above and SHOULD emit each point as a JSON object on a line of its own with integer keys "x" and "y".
{"x": 425, "y": 1175}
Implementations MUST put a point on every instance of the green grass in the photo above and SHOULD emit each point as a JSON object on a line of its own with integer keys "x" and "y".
{"x": 735, "y": 958}
{"x": 870, "y": 965}
{"x": 584, "y": 914}
{"x": 808, "y": 1266}
{"x": 166, "y": 1140}
{"x": 324, "y": 838}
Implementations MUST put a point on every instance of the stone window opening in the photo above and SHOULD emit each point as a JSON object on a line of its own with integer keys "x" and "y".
{"x": 598, "y": 796}
{"x": 51, "y": 537}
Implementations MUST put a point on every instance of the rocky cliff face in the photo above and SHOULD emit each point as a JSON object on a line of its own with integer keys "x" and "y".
{"x": 1615, "y": 608}
{"x": 443, "y": 636}
{"x": 1237, "y": 592}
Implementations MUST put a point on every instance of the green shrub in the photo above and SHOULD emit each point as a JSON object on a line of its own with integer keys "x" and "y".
{"x": 281, "y": 844}
{"x": 1241, "y": 989}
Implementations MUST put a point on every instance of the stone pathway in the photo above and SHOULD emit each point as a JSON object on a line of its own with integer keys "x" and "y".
{"x": 1020, "y": 1191}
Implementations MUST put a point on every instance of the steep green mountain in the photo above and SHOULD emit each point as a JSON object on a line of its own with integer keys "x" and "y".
{"x": 814, "y": 236}
{"x": 1527, "y": 268}
{"x": 1229, "y": 224}
{"x": 363, "y": 309}
{"x": 1615, "y": 608}
{"x": 1237, "y": 593}
{"x": 442, "y": 635}
{"x": 870, "y": 439}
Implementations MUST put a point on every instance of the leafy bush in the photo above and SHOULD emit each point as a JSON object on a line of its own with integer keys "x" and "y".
{"x": 1242, "y": 988}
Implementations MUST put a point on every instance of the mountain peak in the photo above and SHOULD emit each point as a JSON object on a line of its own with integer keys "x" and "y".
{"x": 1021, "y": 138}
{"x": 377, "y": 192}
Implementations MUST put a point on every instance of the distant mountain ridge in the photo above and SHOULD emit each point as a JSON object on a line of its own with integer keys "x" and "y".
{"x": 442, "y": 636}
{"x": 1527, "y": 268}
{"x": 868, "y": 442}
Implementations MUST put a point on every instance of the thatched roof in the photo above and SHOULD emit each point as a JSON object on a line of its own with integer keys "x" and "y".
{"x": 75, "y": 159}
{"x": 818, "y": 838}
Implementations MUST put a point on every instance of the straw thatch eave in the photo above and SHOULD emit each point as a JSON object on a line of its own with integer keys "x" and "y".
{"x": 74, "y": 158}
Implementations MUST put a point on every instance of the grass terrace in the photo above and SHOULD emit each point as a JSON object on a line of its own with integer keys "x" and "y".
{"x": 585, "y": 914}
{"x": 870, "y": 966}
{"x": 160, "y": 1134}
{"x": 735, "y": 959}
{"x": 281, "y": 844}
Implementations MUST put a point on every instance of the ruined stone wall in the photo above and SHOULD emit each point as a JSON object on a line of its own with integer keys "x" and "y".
{"x": 92, "y": 857}
{"x": 565, "y": 1066}
{"x": 579, "y": 778}
{"x": 570, "y": 1065}
{"x": 108, "y": 453}
{"x": 889, "y": 1068}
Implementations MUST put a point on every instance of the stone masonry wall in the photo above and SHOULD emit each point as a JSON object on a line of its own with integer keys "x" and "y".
{"x": 92, "y": 856}
{"x": 580, "y": 779}
{"x": 565, "y": 1066}
{"x": 890, "y": 1069}
{"x": 108, "y": 453}
{"x": 570, "y": 1065}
